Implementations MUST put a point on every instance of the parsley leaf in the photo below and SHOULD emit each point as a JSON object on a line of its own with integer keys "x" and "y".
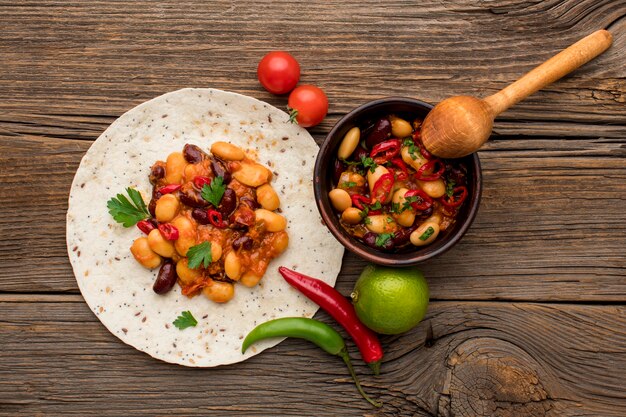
{"x": 395, "y": 208}
{"x": 125, "y": 212}
{"x": 348, "y": 184}
{"x": 428, "y": 233}
{"x": 367, "y": 220}
{"x": 376, "y": 206}
{"x": 213, "y": 193}
{"x": 383, "y": 238}
{"x": 199, "y": 254}
{"x": 368, "y": 162}
{"x": 450, "y": 188}
{"x": 186, "y": 319}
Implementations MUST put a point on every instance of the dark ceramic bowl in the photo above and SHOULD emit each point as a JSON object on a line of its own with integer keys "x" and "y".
{"x": 323, "y": 183}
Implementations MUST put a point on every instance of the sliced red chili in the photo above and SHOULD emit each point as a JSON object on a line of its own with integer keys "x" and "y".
{"x": 417, "y": 139}
{"x": 146, "y": 226}
{"x": 424, "y": 200}
{"x": 385, "y": 151}
{"x": 200, "y": 181}
{"x": 169, "y": 188}
{"x": 358, "y": 200}
{"x": 430, "y": 166}
{"x": 215, "y": 217}
{"x": 404, "y": 174}
{"x": 169, "y": 231}
{"x": 459, "y": 194}
{"x": 382, "y": 188}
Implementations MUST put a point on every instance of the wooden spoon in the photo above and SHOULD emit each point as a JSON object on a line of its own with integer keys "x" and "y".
{"x": 460, "y": 125}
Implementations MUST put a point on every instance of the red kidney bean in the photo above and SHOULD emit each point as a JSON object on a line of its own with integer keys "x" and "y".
{"x": 156, "y": 173}
{"x": 152, "y": 205}
{"x": 428, "y": 212}
{"x": 166, "y": 278}
{"x": 244, "y": 242}
{"x": 193, "y": 154}
{"x": 200, "y": 215}
{"x": 228, "y": 203}
{"x": 359, "y": 153}
{"x": 190, "y": 196}
{"x": 370, "y": 240}
{"x": 338, "y": 168}
{"x": 402, "y": 236}
{"x": 380, "y": 133}
{"x": 250, "y": 202}
{"x": 219, "y": 169}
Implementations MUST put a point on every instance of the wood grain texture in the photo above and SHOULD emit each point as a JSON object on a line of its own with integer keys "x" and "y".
{"x": 472, "y": 358}
{"x": 551, "y": 224}
{"x": 551, "y": 227}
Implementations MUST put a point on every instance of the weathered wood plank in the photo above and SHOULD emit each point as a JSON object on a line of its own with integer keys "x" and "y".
{"x": 469, "y": 358}
{"x": 550, "y": 227}
{"x": 75, "y": 59}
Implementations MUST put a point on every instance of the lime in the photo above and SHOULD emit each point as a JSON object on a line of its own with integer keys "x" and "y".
{"x": 390, "y": 300}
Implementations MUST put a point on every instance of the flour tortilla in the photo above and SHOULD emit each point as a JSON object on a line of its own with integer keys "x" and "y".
{"x": 119, "y": 290}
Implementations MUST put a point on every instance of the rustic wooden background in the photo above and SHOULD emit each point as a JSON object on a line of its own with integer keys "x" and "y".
{"x": 528, "y": 312}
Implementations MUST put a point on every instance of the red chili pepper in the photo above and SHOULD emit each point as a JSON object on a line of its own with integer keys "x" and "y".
{"x": 417, "y": 139}
{"x": 200, "y": 181}
{"x": 430, "y": 165}
{"x": 404, "y": 175}
{"x": 426, "y": 200}
{"x": 168, "y": 231}
{"x": 215, "y": 217}
{"x": 386, "y": 150}
{"x": 382, "y": 188}
{"x": 453, "y": 201}
{"x": 169, "y": 188}
{"x": 146, "y": 226}
{"x": 358, "y": 200}
{"x": 341, "y": 310}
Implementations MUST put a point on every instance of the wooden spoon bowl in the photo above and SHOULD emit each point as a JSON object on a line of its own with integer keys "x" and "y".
{"x": 459, "y": 126}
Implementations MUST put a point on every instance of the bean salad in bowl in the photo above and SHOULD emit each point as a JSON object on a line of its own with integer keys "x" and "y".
{"x": 382, "y": 193}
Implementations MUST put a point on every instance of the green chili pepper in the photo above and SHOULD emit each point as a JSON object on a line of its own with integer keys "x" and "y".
{"x": 314, "y": 331}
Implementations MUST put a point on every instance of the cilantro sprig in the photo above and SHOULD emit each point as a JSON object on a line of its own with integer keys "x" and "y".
{"x": 368, "y": 163}
{"x": 450, "y": 188}
{"x": 428, "y": 233}
{"x": 186, "y": 319}
{"x": 126, "y": 212}
{"x": 383, "y": 238}
{"x": 199, "y": 255}
{"x": 408, "y": 142}
{"x": 214, "y": 192}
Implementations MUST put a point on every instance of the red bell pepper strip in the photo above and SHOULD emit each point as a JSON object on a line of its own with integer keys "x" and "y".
{"x": 430, "y": 165}
{"x": 404, "y": 175}
{"x": 215, "y": 217}
{"x": 385, "y": 151}
{"x": 426, "y": 200}
{"x": 168, "y": 231}
{"x": 199, "y": 181}
{"x": 342, "y": 311}
{"x": 169, "y": 188}
{"x": 358, "y": 200}
{"x": 382, "y": 188}
{"x": 454, "y": 200}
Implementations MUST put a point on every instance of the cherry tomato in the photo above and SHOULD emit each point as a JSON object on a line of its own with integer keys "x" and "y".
{"x": 308, "y": 105}
{"x": 278, "y": 72}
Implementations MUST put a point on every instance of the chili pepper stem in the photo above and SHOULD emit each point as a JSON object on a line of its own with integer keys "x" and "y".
{"x": 346, "y": 358}
{"x": 375, "y": 366}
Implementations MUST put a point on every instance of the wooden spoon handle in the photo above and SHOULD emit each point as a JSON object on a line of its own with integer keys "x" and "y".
{"x": 556, "y": 67}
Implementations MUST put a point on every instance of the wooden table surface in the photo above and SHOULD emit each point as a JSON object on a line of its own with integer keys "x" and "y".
{"x": 528, "y": 312}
